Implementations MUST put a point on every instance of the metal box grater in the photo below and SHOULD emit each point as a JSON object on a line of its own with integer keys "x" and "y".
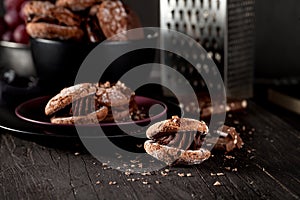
{"x": 225, "y": 28}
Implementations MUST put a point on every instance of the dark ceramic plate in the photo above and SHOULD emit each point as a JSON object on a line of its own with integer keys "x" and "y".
{"x": 33, "y": 111}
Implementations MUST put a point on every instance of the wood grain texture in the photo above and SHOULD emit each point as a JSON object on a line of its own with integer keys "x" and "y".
{"x": 266, "y": 168}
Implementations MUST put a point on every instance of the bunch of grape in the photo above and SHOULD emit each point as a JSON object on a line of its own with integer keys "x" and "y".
{"x": 12, "y": 24}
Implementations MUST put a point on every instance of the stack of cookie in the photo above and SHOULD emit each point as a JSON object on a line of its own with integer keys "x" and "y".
{"x": 85, "y": 20}
{"x": 177, "y": 141}
{"x": 91, "y": 103}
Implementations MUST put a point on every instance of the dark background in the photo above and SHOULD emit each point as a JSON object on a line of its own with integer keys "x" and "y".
{"x": 277, "y": 38}
{"x": 277, "y": 34}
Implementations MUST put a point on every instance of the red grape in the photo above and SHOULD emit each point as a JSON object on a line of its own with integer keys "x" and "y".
{"x": 12, "y": 4}
{"x": 21, "y": 13}
{"x": 20, "y": 35}
{"x": 12, "y": 18}
{"x": 7, "y": 36}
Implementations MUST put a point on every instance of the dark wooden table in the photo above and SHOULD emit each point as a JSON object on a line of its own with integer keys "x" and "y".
{"x": 266, "y": 168}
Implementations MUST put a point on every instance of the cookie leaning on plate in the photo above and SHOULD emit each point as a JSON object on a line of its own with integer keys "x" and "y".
{"x": 177, "y": 141}
{"x": 113, "y": 19}
{"x": 90, "y": 103}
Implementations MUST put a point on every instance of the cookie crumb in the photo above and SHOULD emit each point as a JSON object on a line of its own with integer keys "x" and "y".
{"x": 167, "y": 170}
{"x": 234, "y": 169}
{"x": 112, "y": 183}
{"x": 217, "y": 183}
{"x": 229, "y": 157}
{"x": 145, "y": 182}
{"x": 163, "y": 173}
{"x": 146, "y": 174}
{"x": 252, "y": 157}
{"x": 212, "y": 174}
{"x": 181, "y": 174}
{"x": 157, "y": 182}
{"x": 244, "y": 128}
{"x": 236, "y": 122}
{"x": 104, "y": 164}
{"x": 98, "y": 182}
{"x": 227, "y": 168}
{"x": 127, "y": 173}
{"x": 76, "y": 153}
{"x": 220, "y": 174}
{"x": 189, "y": 174}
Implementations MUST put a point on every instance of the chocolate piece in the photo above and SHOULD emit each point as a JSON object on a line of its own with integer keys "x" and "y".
{"x": 229, "y": 139}
{"x": 204, "y": 106}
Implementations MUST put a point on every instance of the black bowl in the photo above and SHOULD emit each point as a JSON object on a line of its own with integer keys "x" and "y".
{"x": 16, "y": 57}
{"x": 57, "y": 62}
{"x": 17, "y": 73}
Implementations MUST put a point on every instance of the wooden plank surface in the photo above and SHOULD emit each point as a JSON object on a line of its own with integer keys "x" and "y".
{"x": 266, "y": 168}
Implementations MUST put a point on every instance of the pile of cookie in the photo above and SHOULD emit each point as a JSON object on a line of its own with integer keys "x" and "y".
{"x": 84, "y": 20}
{"x": 91, "y": 103}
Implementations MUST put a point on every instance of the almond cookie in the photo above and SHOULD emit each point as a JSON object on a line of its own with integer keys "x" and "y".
{"x": 90, "y": 118}
{"x": 33, "y": 8}
{"x": 53, "y": 31}
{"x": 77, "y": 5}
{"x": 69, "y": 95}
{"x": 120, "y": 101}
{"x": 113, "y": 19}
{"x": 37, "y": 11}
{"x": 77, "y": 104}
{"x": 177, "y": 141}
